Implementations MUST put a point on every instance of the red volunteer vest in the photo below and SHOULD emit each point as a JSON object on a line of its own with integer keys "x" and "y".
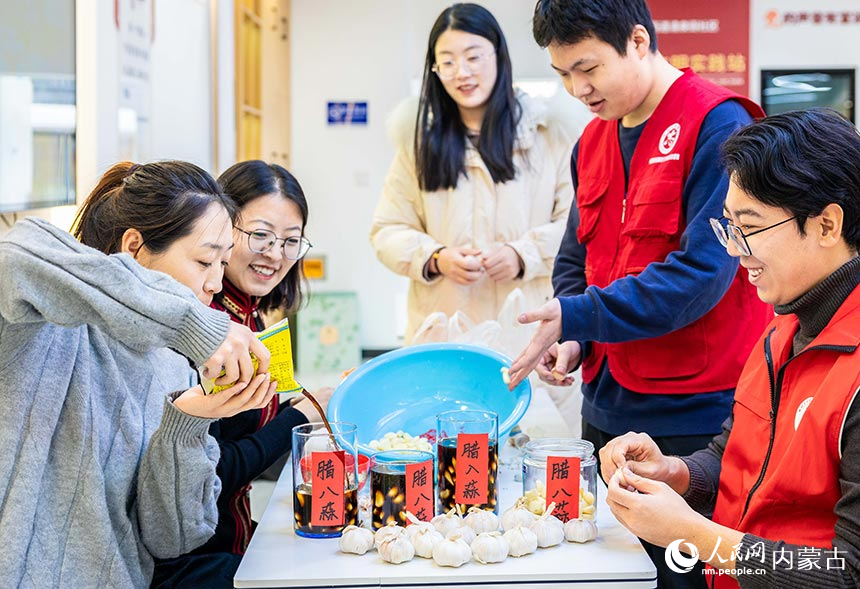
{"x": 799, "y": 488}
{"x": 623, "y": 235}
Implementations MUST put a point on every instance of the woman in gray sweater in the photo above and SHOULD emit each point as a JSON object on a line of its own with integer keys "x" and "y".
{"x": 106, "y": 458}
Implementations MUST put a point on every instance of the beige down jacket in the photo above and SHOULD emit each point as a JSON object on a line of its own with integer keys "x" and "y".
{"x": 528, "y": 213}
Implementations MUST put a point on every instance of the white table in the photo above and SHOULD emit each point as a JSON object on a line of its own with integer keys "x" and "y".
{"x": 277, "y": 557}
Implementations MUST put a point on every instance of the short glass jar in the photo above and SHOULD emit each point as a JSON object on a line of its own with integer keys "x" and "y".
{"x": 558, "y": 482}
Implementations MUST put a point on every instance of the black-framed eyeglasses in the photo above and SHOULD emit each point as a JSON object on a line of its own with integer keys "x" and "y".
{"x": 262, "y": 240}
{"x": 725, "y": 230}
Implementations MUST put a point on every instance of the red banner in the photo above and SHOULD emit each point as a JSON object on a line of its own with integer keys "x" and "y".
{"x": 712, "y": 38}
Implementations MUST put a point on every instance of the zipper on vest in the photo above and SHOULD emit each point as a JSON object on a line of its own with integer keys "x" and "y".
{"x": 775, "y": 391}
{"x": 774, "y": 408}
{"x": 623, "y": 209}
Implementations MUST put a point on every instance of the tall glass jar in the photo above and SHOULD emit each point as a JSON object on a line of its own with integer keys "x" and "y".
{"x": 548, "y": 477}
{"x": 325, "y": 479}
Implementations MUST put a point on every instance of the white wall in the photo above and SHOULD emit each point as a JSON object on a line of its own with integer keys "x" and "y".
{"x": 182, "y": 82}
{"x": 371, "y": 50}
{"x": 180, "y": 79}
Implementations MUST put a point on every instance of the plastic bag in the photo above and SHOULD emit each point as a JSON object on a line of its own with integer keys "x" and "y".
{"x": 503, "y": 334}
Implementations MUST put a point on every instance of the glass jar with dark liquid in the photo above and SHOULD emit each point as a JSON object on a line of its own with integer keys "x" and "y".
{"x": 389, "y": 488}
{"x": 325, "y": 479}
{"x": 459, "y": 433}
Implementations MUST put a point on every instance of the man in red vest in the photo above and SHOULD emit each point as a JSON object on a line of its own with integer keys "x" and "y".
{"x": 783, "y": 479}
{"x": 644, "y": 296}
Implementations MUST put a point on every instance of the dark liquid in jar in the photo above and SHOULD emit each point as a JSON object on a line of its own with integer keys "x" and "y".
{"x": 302, "y": 512}
{"x": 388, "y": 493}
{"x": 447, "y": 450}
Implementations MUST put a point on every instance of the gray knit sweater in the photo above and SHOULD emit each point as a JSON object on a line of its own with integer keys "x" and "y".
{"x": 99, "y": 472}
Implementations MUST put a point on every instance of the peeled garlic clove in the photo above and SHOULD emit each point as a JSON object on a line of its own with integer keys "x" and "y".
{"x": 481, "y": 520}
{"x": 424, "y": 539}
{"x": 521, "y": 541}
{"x": 396, "y": 549}
{"x": 447, "y": 522}
{"x": 452, "y": 552}
{"x": 466, "y": 533}
{"x": 386, "y": 532}
{"x": 580, "y": 530}
{"x": 537, "y": 506}
{"x": 518, "y": 515}
{"x": 355, "y": 540}
{"x": 490, "y": 547}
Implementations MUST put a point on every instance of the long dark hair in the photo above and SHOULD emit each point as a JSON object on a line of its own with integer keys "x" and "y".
{"x": 162, "y": 200}
{"x": 440, "y": 135}
{"x": 246, "y": 181}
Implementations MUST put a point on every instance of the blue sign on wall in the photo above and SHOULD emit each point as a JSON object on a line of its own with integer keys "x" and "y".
{"x": 347, "y": 113}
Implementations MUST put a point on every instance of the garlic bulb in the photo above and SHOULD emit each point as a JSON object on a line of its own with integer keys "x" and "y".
{"x": 580, "y": 530}
{"x": 423, "y": 540}
{"x": 355, "y": 540}
{"x": 481, "y": 520}
{"x": 521, "y": 541}
{"x": 386, "y": 532}
{"x": 466, "y": 533}
{"x": 416, "y": 525}
{"x": 548, "y": 529}
{"x": 518, "y": 515}
{"x": 490, "y": 547}
{"x": 445, "y": 523}
{"x": 396, "y": 549}
{"x": 452, "y": 552}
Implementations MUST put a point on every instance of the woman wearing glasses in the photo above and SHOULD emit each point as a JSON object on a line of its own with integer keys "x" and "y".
{"x": 475, "y": 204}
{"x": 263, "y": 276}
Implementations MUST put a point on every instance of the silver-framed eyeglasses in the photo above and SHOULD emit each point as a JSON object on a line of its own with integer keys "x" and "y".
{"x": 725, "y": 230}
{"x": 262, "y": 240}
{"x": 471, "y": 62}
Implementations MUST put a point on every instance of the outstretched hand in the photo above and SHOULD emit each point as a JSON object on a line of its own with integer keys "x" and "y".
{"x": 547, "y": 333}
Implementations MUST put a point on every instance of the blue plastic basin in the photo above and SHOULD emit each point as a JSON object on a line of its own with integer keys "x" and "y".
{"x": 406, "y": 389}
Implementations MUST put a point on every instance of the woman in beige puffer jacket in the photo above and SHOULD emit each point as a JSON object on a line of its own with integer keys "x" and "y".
{"x": 469, "y": 233}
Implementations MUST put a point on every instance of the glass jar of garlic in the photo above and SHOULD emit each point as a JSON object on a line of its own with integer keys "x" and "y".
{"x": 550, "y": 475}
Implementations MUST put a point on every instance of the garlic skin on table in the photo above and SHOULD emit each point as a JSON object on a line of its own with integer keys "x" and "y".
{"x": 355, "y": 540}
{"x": 466, "y": 534}
{"x": 396, "y": 549}
{"x": 580, "y": 530}
{"x": 521, "y": 541}
{"x": 548, "y": 529}
{"x": 517, "y": 515}
{"x": 447, "y": 522}
{"x": 490, "y": 547}
{"x": 452, "y": 552}
{"x": 481, "y": 520}
{"x": 386, "y": 532}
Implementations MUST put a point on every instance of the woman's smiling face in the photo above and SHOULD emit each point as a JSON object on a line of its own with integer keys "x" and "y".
{"x": 257, "y": 274}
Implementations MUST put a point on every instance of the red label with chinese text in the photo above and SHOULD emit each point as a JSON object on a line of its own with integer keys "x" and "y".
{"x": 327, "y": 487}
{"x": 562, "y": 486}
{"x": 472, "y": 468}
{"x": 419, "y": 490}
